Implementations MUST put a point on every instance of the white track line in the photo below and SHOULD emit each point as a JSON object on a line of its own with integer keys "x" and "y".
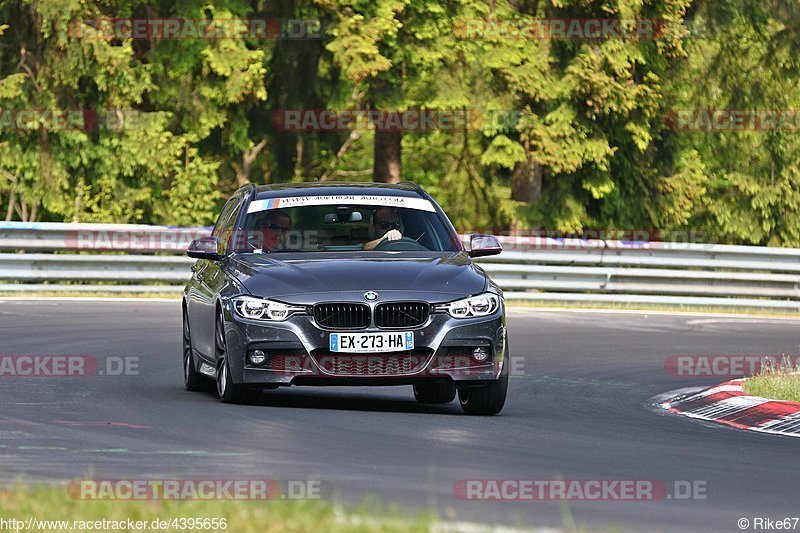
{"x": 522, "y": 309}
{"x": 86, "y": 299}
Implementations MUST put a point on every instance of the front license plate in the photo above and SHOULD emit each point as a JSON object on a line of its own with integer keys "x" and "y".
{"x": 372, "y": 342}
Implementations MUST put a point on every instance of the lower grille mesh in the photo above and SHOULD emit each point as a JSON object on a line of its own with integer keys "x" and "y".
{"x": 287, "y": 363}
{"x": 372, "y": 365}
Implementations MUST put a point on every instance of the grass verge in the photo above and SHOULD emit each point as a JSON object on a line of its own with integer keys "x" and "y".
{"x": 779, "y": 383}
{"x": 52, "y": 503}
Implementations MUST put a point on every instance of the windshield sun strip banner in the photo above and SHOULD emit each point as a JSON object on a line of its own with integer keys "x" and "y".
{"x": 419, "y": 204}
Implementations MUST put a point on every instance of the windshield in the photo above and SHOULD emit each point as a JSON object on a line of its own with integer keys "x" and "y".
{"x": 327, "y": 224}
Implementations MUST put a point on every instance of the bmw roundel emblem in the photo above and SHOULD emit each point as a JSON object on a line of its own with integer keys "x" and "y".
{"x": 370, "y": 296}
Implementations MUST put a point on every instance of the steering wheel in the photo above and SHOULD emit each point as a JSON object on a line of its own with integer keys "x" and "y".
{"x": 405, "y": 244}
{"x": 286, "y": 250}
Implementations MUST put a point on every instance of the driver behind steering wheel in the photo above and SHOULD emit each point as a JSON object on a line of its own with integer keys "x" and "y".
{"x": 386, "y": 226}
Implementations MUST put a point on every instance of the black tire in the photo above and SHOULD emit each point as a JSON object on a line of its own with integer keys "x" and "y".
{"x": 488, "y": 399}
{"x": 193, "y": 380}
{"x": 435, "y": 392}
{"x": 228, "y": 391}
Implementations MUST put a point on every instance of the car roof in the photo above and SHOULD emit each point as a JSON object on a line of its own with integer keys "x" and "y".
{"x": 332, "y": 188}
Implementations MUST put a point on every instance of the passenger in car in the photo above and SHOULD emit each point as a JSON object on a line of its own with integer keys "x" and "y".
{"x": 386, "y": 226}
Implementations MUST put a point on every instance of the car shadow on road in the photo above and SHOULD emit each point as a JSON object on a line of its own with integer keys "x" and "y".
{"x": 344, "y": 401}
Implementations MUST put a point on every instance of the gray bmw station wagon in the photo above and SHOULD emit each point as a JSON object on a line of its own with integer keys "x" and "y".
{"x": 344, "y": 284}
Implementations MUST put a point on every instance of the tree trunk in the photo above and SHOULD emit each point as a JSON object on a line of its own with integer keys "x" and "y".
{"x": 248, "y": 158}
{"x": 526, "y": 181}
{"x": 387, "y": 167}
{"x": 298, "y": 158}
{"x": 11, "y": 200}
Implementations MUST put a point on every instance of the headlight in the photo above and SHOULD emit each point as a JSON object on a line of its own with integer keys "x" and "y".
{"x": 261, "y": 309}
{"x": 481, "y": 305}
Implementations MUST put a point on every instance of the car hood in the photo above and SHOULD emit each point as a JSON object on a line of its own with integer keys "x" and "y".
{"x": 434, "y": 277}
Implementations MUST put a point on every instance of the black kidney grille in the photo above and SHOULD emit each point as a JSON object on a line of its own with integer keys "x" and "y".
{"x": 342, "y": 315}
{"x": 401, "y": 314}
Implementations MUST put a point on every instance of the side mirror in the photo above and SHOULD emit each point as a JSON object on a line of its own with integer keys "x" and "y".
{"x": 205, "y": 248}
{"x": 483, "y": 245}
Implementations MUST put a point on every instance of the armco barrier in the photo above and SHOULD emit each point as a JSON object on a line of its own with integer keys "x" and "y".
{"x": 530, "y": 268}
{"x": 129, "y": 238}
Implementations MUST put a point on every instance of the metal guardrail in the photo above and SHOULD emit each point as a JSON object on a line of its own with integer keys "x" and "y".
{"x": 129, "y": 238}
{"x": 530, "y": 268}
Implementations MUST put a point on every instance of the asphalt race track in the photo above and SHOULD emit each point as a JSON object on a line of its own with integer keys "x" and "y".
{"x": 579, "y": 407}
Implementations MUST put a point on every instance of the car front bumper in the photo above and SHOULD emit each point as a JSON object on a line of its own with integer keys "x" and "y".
{"x": 297, "y": 353}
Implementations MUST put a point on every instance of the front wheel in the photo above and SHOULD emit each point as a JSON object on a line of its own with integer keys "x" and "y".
{"x": 193, "y": 380}
{"x": 486, "y": 399}
{"x": 228, "y": 391}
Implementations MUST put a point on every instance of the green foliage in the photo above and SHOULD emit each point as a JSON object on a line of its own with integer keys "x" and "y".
{"x": 135, "y": 150}
{"x": 503, "y": 152}
{"x": 175, "y": 125}
{"x": 743, "y": 62}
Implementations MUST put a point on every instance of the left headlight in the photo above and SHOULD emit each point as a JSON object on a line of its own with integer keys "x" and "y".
{"x": 262, "y": 309}
{"x": 481, "y": 305}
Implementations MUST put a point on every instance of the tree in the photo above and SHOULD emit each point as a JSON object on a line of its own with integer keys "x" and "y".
{"x": 739, "y": 91}
{"x": 122, "y": 127}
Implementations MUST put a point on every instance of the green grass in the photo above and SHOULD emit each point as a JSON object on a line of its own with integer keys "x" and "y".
{"x": 47, "y": 502}
{"x": 779, "y": 383}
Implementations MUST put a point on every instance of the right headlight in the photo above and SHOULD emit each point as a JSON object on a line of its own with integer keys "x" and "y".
{"x": 475, "y": 306}
{"x": 263, "y": 309}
